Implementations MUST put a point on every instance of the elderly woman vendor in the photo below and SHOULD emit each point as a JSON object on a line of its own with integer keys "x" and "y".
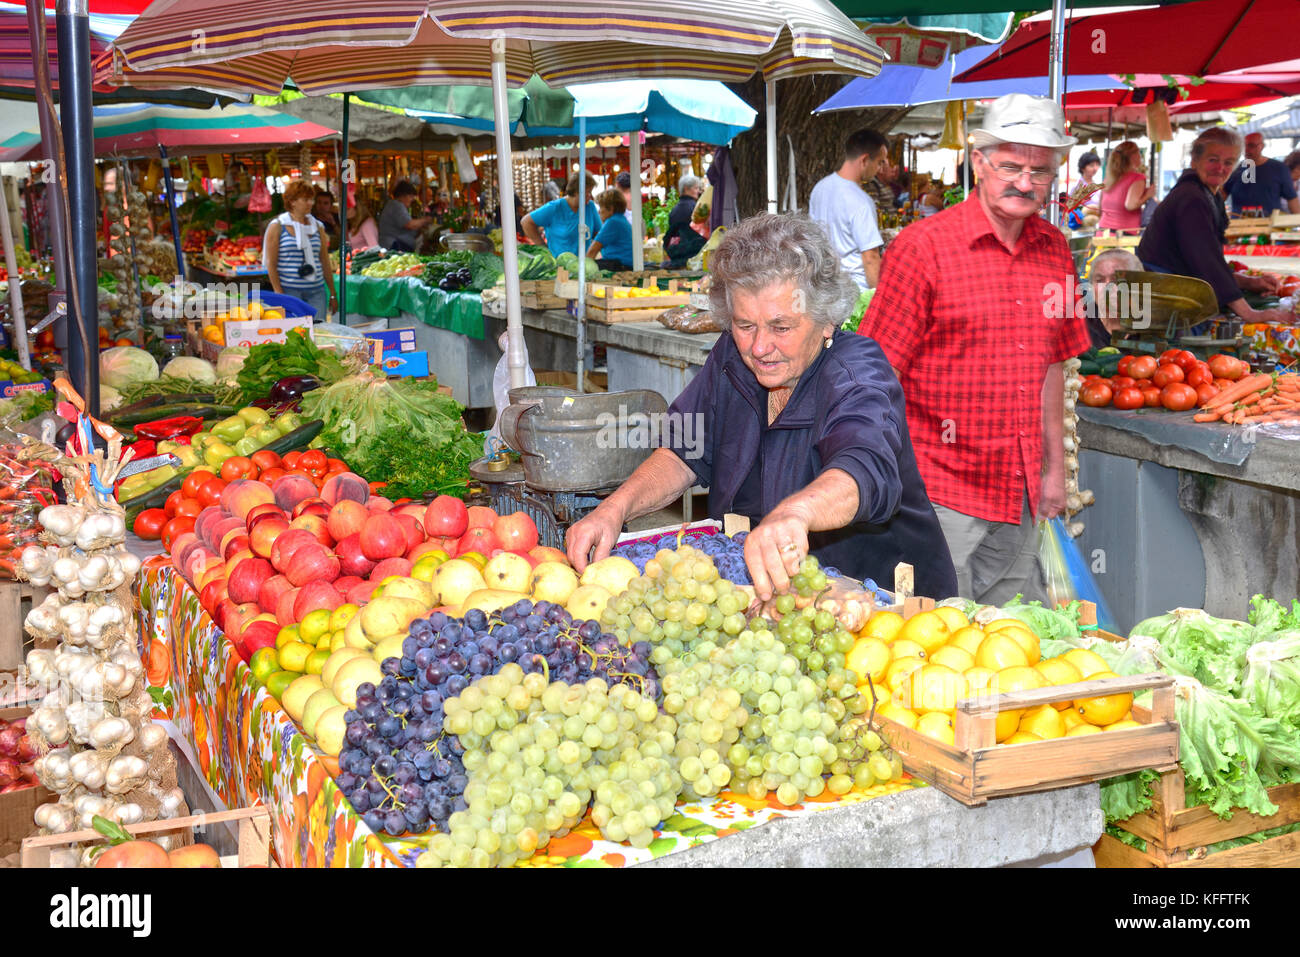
{"x": 804, "y": 426}
{"x": 1187, "y": 231}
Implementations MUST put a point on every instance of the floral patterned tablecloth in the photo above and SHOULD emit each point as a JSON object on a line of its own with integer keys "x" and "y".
{"x": 250, "y": 752}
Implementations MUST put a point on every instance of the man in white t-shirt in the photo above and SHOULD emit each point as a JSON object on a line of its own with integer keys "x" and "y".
{"x": 842, "y": 207}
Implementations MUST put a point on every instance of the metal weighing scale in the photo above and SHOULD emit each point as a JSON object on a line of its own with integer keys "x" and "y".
{"x": 1177, "y": 304}
{"x": 565, "y": 451}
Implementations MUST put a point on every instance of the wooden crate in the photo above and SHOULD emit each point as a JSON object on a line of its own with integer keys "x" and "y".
{"x": 540, "y": 294}
{"x": 16, "y": 600}
{"x": 254, "y": 836}
{"x": 608, "y": 309}
{"x": 1176, "y": 835}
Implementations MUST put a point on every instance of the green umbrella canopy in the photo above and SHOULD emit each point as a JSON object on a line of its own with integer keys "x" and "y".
{"x": 536, "y": 103}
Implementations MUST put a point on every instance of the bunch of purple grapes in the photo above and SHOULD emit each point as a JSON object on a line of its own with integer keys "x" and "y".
{"x": 398, "y": 769}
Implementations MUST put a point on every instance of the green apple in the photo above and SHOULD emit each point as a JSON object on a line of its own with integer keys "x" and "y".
{"x": 254, "y": 416}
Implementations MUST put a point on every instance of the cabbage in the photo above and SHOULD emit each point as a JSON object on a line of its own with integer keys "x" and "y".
{"x": 124, "y": 366}
{"x": 188, "y": 367}
{"x": 230, "y": 360}
{"x": 109, "y": 398}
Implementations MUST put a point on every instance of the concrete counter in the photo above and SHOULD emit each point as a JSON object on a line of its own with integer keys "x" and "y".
{"x": 917, "y": 828}
{"x": 1172, "y": 528}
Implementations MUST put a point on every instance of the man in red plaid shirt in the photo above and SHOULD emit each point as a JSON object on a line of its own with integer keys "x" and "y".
{"x": 975, "y": 314}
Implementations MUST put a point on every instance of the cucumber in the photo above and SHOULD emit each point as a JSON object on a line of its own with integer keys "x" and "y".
{"x": 171, "y": 410}
{"x": 1089, "y": 367}
{"x": 157, "y": 498}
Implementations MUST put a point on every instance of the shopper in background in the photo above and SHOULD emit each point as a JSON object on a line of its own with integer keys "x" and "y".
{"x": 1186, "y": 234}
{"x": 969, "y": 281}
{"x": 842, "y": 208}
{"x": 1261, "y": 183}
{"x": 296, "y": 252}
{"x": 363, "y": 231}
{"x": 1085, "y": 215}
{"x": 612, "y": 248}
{"x": 1101, "y": 276}
{"x": 397, "y": 230}
{"x": 559, "y": 218}
{"x": 323, "y": 210}
{"x": 624, "y": 184}
{"x": 878, "y": 187}
{"x": 1124, "y": 191}
{"x": 682, "y": 240}
{"x": 1293, "y": 164}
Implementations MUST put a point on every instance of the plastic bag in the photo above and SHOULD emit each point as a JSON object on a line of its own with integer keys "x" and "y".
{"x": 259, "y": 199}
{"x": 689, "y": 319}
{"x": 501, "y": 388}
{"x": 1066, "y": 571}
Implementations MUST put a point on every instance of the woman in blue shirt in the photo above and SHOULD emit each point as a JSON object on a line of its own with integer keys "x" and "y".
{"x": 559, "y": 218}
{"x": 612, "y": 248}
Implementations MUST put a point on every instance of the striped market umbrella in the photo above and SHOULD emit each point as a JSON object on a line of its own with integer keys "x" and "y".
{"x": 344, "y": 45}
{"x": 137, "y": 129}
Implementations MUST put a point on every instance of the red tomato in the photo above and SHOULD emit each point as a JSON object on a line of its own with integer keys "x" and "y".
{"x": 1096, "y": 394}
{"x": 1168, "y": 373}
{"x": 1199, "y": 377}
{"x": 188, "y": 508}
{"x": 1178, "y": 397}
{"x": 1124, "y": 363}
{"x": 1169, "y": 355}
{"x": 149, "y": 523}
{"x": 1205, "y": 392}
{"x": 1185, "y": 360}
{"x": 173, "y": 500}
{"x": 270, "y": 475}
{"x": 337, "y": 465}
{"x": 210, "y": 493}
{"x": 1129, "y": 397}
{"x": 1151, "y": 398}
{"x": 290, "y": 461}
{"x": 1226, "y": 367}
{"x": 1122, "y": 382}
{"x": 238, "y": 467}
{"x": 194, "y": 481}
{"x": 177, "y": 526}
{"x": 265, "y": 459}
{"x": 1143, "y": 367}
{"x": 314, "y": 462}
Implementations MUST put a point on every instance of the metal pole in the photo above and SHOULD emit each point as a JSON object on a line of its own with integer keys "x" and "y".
{"x": 1055, "y": 61}
{"x": 345, "y": 177}
{"x": 72, "y": 23}
{"x": 171, "y": 209}
{"x": 770, "y": 90}
{"x": 582, "y": 252}
{"x": 509, "y": 241}
{"x": 634, "y": 173}
{"x": 15, "y": 285}
{"x": 54, "y": 214}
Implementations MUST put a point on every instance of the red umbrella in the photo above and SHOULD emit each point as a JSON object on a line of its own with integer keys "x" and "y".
{"x": 16, "y": 68}
{"x": 1196, "y": 39}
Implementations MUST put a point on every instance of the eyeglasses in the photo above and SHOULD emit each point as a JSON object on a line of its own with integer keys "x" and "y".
{"x": 1009, "y": 173}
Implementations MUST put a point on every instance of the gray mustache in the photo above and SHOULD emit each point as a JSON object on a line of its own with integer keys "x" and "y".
{"x": 1012, "y": 191}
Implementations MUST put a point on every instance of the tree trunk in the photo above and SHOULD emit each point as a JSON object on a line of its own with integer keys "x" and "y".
{"x": 818, "y": 140}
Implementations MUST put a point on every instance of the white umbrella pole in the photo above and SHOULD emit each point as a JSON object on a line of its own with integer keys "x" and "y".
{"x": 582, "y": 251}
{"x": 15, "y": 285}
{"x": 634, "y": 172}
{"x": 770, "y": 89}
{"x": 509, "y": 243}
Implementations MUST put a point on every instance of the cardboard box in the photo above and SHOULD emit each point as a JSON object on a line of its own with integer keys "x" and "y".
{"x": 256, "y": 332}
{"x": 390, "y": 341}
{"x": 405, "y": 363}
{"x": 9, "y": 388}
{"x": 17, "y": 807}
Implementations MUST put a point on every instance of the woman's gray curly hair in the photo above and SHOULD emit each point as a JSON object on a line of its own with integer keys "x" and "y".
{"x": 771, "y": 248}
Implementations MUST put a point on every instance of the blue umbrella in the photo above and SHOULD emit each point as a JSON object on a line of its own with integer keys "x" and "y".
{"x": 914, "y": 85}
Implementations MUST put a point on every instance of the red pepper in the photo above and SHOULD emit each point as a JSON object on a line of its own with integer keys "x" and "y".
{"x": 144, "y": 449}
{"x": 164, "y": 429}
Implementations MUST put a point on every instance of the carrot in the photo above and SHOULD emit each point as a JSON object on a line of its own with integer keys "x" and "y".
{"x": 1241, "y": 388}
{"x": 1288, "y": 383}
{"x": 1251, "y": 399}
{"x": 1207, "y": 416}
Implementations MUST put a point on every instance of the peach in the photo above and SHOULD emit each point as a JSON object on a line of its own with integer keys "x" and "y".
{"x": 217, "y": 531}
{"x": 184, "y": 543}
{"x": 211, "y": 514}
{"x": 377, "y": 503}
{"x": 292, "y": 489}
{"x": 346, "y": 486}
{"x": 198, "y": 560}
{"x": 263, "y": 536}
{"x": 196, "y": 855}
{"x": 346, "y": 518}
{"x": 242, "y": 495}
{"x": 134, "y": 854}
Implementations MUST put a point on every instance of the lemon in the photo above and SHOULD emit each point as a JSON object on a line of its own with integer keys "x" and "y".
{"x": 1121, "y": 725}
{"x": 1022, "y": 737}
{"x": 933, "y": 688}
{"x": 1088, "y": 662}
{"x": 294, "y": 655}
{"x": 868, "y": 658}
{"x": 314, "y": 625}
{"x": 950, "y": 656}
{"x": 1106, "y": 709}
{"x": 1079, "y": 730}
{"x": 898, "y": 671}
{"x": 1025, "y": 638}
{"x": 1072, "y": 720}
{"x": 967, "y": 639}
{"x": 907, "y": 648}
{"x": 316, "y": 661}
{"x": 953, "y": 618}
{"x": 896, "y": 713}
{"x": 1008, "y": 724}
{"x": 927, "y": 629}
{"x": 998, "y": 651}
{"x": 936, "y": 724}
{"x": 285, "y": 635}
{"x": 999, "y": 623}
{"x": 1059, "y": 671}
{"x": 1044, "y": 721}
{"x": 884, "y": 625}
{"x": 1020, "y": 678}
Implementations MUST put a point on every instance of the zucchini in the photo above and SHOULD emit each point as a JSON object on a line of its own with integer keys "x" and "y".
{"x": 299, "y": 438}
{"x": 1089, "y": 367}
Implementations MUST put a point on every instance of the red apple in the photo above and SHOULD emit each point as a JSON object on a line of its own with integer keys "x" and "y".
{"x": 479, "y": 539}
{"x": 235, "y": 615}
{"x": 346, "y": 518}
{"x": 260, "y": 633}
{"x": 233, "y": 542}
{"x": 432, "y": 545}
{"x": 412, "y": 528}
{"x": 284, "y": 607}
{"x": 352, "y": 561}
{"x": 314, "y": 595}
{"x": 259, "y": 512}
{"x": 313, "y": 562}
{"x": 264, "y": 533}
{"x": 311, "y": 506}
{"x": 316, "y": 525}
{"x": 287, "y": 543}
{"x": 382, "y": 537}
{"x": 214, "y": 592}
{"x": 360, "y": 594}
{"x": 545, "y": 554}
{"x": 516, "y": 532}
{"x": 377, "y": 503}
{"x": 345, "y": 583}
{"x": 246, "y": 579}
{"x": 390, "y": 567}
{"x": 268, "y": 596}
{"x": 480, "y": 516}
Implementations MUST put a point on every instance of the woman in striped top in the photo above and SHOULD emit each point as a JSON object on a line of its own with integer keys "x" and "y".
{"x": 296, "y": 252}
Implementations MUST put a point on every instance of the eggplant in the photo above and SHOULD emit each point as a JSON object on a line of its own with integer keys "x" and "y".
{"x": 294, "y": 387}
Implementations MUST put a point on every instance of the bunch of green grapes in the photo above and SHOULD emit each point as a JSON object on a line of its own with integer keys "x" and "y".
{"x": 863, "y": 758}
{"x": 818, "y": 641}
{"x": 678, "y": 602}
{"x": 809, "y": 580}
{"x": 710, "y": 715}
{"x": 536, "y": 752}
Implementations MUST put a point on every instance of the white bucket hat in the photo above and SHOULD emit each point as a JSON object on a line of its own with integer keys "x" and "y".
{"x": 1021, "y": 118}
